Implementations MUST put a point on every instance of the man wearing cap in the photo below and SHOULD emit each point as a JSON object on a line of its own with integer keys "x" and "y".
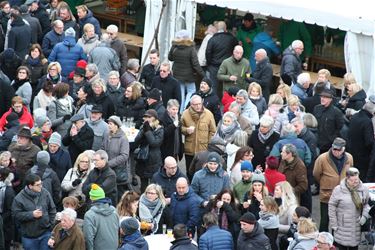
{"x": 24, "y": 151}
{"x": 252, "y": 234}
{"x": 34, "y": 212}
{"x": 243, "y": 186}
{"x": 132, "y": 237}
{"x": 49, "y": 178}
{"x": 36, "y": 28}
{"x": 37, "y": 10}
{"x": 79, "y": 138}
{"x": 67, "y": 53}
{"x": 329, "y": 169}
{"x": 53, "y": 37}
{"x": 98, "y": 125}
{"x": 211, "y": 179}
{"x": 167, "y": 84}
{"x": 154, "y": 102}
{"x": 101, "y": 222}
{"x": 361, "y": 140}
{"x": 330, "y": 120}
{"x": 102, "y": 175}
{"x": 210, "y": 99}
{"x": 198, "y": 126}
{"x": 19, "y": 36}
{"x": 60, "y": 160}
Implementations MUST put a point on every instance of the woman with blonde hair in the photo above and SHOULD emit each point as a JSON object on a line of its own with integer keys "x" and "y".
{"x": 306, "y": 235}
{"x": 256, "y": 97}
{"x": 151, "y": 207}
{"x": 275, "y": 105}
{"x": 100, "y": 97}
{"x": 287, "y": 202}
{"x": 128, "y": 205}
{"x": 357, "y": 97}
{"x": 284, "y": 91}
{"x": 290, "y": 111}
{"x": 89, "y": 39}
{"x": 269, "y": 219}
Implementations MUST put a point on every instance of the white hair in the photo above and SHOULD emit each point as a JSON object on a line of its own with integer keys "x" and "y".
{"x": 303, "y": 78}
{"x": 243, "y": 93}
{"x": 266, "y": 121}
{"x": 71, "y": 213}
{"x": 297, "y": 44}
{"x": 112, "y": 28}
{"x": 328, "y": 238}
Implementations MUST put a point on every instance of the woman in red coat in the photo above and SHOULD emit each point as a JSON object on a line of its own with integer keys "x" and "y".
{"x": 24, "y": 116}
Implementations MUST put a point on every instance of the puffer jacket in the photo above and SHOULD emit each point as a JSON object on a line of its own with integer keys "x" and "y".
{"x": 67, "y": 53}
{"x": 326, "y": 174}
{"x": 220, "y": 47}
{"x": 185, "y": 59}
{"x": 205, "y": 128}
{"x": 307, "y": 241}
{"x": 344, "y": 216}
{"x": 357, "y": 101}
{"x": 206, "y": 183}
{"x": 50, "y": 40}
{"x": 216, "y": 238}
{"x": 100, "y": 128}
{"x": 291, "y": 64}
{"x": 254, "y": 240}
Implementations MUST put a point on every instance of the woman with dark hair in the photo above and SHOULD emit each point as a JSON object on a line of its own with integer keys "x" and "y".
{"x": 82, "y": 107}
{"x": 44, "y": 97}
{"x": 224, "y": 205}
{"x": 21, "y": 85}
{"x": 132, "y": 104}
{"x": 61, "y": 109}
{"x": 243, "y": 154}
{"x": 37, "y": 64}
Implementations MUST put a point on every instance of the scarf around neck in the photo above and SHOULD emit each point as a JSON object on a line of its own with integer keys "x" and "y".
{"x": 149, "y": 209}
{"x": 355, "y": 196}
{"x": 264, "y": 137}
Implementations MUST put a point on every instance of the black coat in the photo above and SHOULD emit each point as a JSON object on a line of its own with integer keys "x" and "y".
{"x": 159, "y": 108}
{"x": 80, "y": 142}
{"x": 357, "y": 101}
{"x": 330, "y": 122}
{"x": 50, "y": 40}
{"x": 183, "y": 243}
{"x": 6, "y": 95}
{"x": 6, "y": 138}
{"x": 36, "y": 71}
{"x": 10, "y": 64}
{"x": 106, "y": 179}
{"x": 172, "y": 135}
{"x": 220, "y": 47}
{"x": 263, "y": 74}
{"x": 211, "y": 102}
{"x": 361, "y": 141}
{"x": 310, "y": 102}
{"x": 106, "y": 102}
{"x": 19, "y": 37}
{"x": 261, "y": 150}
{"x": 132, "y": 108}
{"x": 115, "y": 95}
{"x": 168, "y": 184}
{"x": 148, "y": 73}
{"x": 36, "y": 28}
{"x": 169, "y": 87}
{"x": 254, "y": 240}
{"x": 60, "y": 162}
{"x": 8, "y": 220}
{"x": 43, "y": 18}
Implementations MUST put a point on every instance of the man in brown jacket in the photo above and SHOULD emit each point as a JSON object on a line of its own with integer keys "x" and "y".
{"x": 198, "y": 126}
{"x": 329, "y": 170}
{"x": 66, "y": 234}
{"x": 294, "y": 169}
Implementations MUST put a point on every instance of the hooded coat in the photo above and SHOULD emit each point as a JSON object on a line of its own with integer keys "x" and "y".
{"x": 291, "y": 64}
{"x": 134, "y": 242}
{"x": 100, "y": 226}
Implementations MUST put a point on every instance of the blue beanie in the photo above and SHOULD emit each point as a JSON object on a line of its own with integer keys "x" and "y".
{"x": 246, "y": 165}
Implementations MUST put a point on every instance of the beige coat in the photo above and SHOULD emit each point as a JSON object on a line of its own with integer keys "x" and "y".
{"x": 205, "y": 128}
{"x": 326, "y": 174}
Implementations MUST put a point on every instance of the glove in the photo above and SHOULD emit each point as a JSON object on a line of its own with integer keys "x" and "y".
{"x": 146, "y": 127}
{"x": 363, "y": 220}
{"x": 66, "y": 117}
{"x": 76, "y": 182}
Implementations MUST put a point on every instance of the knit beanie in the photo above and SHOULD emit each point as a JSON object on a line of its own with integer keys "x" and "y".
{"x": 55, "y": 139}
{"x": 116, "y": 120}
{"x": 248, "y": 218}
{"x": 43, "y": 158}
{"x": 70, "y": 32}
{"x": 246, "y": 165}
{"x": 258, "y": 177}
{"x": 208, "y": 81}
{"x": 130, "y": 226}
{"x": 96, "y": 192}
{"x": 272, "y": 162}
{"x": 214, "y": 157}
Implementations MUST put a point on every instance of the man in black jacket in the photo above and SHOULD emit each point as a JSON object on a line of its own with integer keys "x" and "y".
{"x": 34, "y": 211}
{"x": 79, "y": 138}
{"x": 19, "y": 37}
{"x": 37, "y": 10}
{"x": 36, "y": 29}
{"x": 330, "y": 121}
{"x": 219, "y": 47}
{"x": 262, "y": 73}
{"x": 151, "y": 70}
{"x": 103, "y": 176}
{"x": 252, "y": 234}
{"x": 167, "y": 84}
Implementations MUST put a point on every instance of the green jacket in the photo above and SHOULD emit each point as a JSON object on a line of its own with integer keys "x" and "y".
{"x": 292, "y": 30}
{"x": 240, "y": 190}
{"x": 232, "y": 67}
{"x": 242, "y": 34}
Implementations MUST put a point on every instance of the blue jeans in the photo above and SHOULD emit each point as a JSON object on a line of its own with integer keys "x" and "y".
{"x": 188, "y": 87}
{"x": 39, "y": 243}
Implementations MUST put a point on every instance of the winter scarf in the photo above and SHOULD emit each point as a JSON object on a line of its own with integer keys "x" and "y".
{"x": 355, "y": 196}
{"x": 150, "y": 210}
{"x": 264, "y": 137}
{"x": 43, "y": 99}
{"x": 16, "y": 84}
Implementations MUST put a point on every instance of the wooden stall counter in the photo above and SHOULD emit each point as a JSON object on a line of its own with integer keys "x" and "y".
{"x": 129, "y": 39}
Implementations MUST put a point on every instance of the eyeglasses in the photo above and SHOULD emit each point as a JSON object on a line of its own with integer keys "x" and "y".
{"x": 164, "y": 71}
{"x": 84, "y": 161}
{"x": 17, "y": 106}
{"x": 52, "y": 69}
{"x": 151, "y": 193}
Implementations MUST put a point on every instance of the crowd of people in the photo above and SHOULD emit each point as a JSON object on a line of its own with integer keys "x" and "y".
{"x": 72, "y": 177}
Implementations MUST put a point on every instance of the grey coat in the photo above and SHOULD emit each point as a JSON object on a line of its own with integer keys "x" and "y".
{"x": 343, "y": 215}
{"x": 56, "y": 112}
{"x": 25, "y": 91}
{"x": 106, "y": 59}
{"x": 100, "y": 127}
{"x": 303, "y": 242}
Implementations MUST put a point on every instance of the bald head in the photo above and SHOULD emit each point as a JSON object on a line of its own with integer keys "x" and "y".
{"x": 182, "y": 186}
{"x": 170, "y": 166}
{"x": 238, "y": 52}
{"x": 221, "y": 26}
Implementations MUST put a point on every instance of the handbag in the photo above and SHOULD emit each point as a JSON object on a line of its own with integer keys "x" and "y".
{"x": 141, "y": 153}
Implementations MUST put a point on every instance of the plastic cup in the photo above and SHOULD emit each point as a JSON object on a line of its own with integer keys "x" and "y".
{"x": 170, "y": 233}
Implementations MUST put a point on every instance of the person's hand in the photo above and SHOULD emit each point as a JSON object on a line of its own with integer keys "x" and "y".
{"x": 168, "y": 201}
{"x": 219, "y": 204}
{"x": 51, "y": 242}
{"x": 246, "y": 204}
{"x": 190, "y": 130}
{"x": 204, "y": 204}
{"x": 146, "y": 126}
{"x": 248, "y": 40}
{"x": 73, "y": 130}
{"x": 258, "y": 196}
{"x": 37, "y": 213}
{"x": 259, "y": 167}
{"x": 233, "y": 78}
{"x": 66, "y": 117}
{"x": 76, "y": 182}
{"x": 362, "y": 220}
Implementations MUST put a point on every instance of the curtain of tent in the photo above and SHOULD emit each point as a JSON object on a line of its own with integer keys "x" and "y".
{"x": 359, "y": 60}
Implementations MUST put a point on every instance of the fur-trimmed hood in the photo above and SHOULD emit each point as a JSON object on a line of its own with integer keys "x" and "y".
{"x": 8, "y": 180}
{"x": 183, "y": 42}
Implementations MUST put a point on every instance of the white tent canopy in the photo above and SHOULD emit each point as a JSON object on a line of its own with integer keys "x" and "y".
{"x": 355, "y": 17}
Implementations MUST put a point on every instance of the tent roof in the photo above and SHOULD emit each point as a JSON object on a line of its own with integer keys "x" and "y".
{"x": 356, "y": 16}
